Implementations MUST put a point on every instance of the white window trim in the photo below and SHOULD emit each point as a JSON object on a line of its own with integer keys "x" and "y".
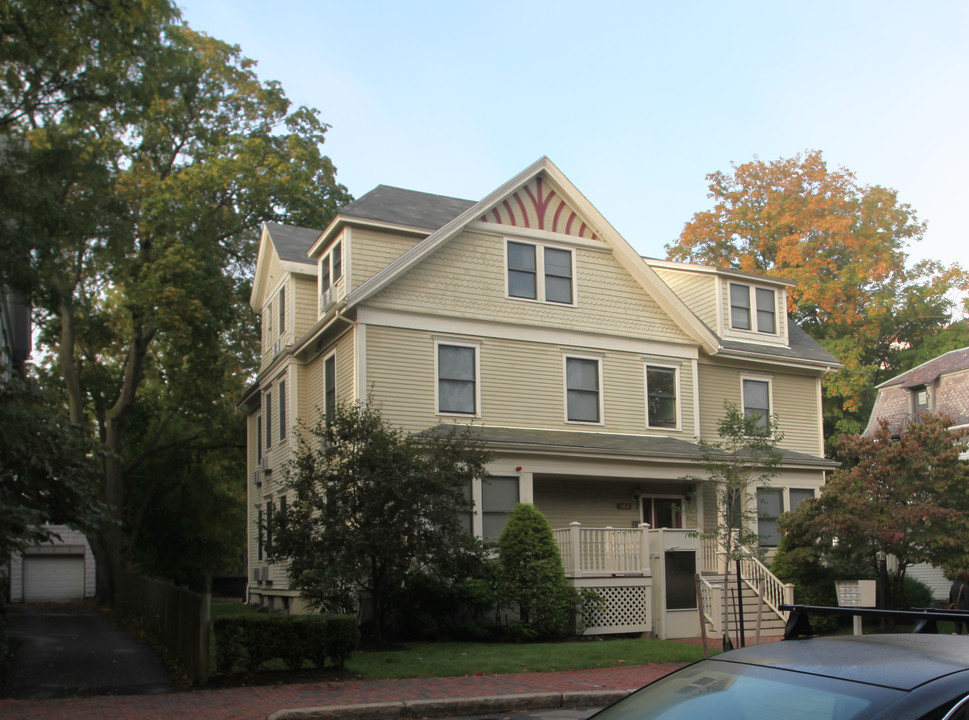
{"x": 770, "y": 392}
{"x": 677, "y": 400}
{"x": 463, "y": 342}
{"x": 540, "y": 272}
{"x": 284, "y": 405}
{"x": 336, "y": 383}
{"x": 785, "y": 498}
{"x": 598, "y": 358}
{"x": 664, "y": 496}
{"x": 778, "y": 336}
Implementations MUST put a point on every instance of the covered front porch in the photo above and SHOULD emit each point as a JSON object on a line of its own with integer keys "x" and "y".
{"x": 649, "y": 580}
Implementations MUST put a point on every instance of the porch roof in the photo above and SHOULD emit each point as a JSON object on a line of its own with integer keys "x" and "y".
{"x": 578, "y": 442}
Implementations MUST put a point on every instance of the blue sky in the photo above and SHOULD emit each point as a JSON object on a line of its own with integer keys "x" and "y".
{"x": 634, "y": 101}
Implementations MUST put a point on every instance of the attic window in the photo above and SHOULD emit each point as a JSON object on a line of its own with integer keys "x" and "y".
{"x": 753, "y": 308}
{"x": 921, "y": 400}
{"x": 538, "y": 272}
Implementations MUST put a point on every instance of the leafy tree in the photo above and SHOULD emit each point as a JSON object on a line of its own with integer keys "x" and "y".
{"x": 904, "y": 497}
{"x": 369, "y": 505}
{"x": 845, "y": 245}
{"x": 531, "y": 576}
{"x": 745, "y": 458}
{"x": 146, "y": 162}
{"x": 47, "y": 467}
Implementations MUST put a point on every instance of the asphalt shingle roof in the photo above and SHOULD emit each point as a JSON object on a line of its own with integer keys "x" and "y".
{"x": 930, "y": 371}
{"x": 406, "y": 207}
{"x": 292, "y": 242}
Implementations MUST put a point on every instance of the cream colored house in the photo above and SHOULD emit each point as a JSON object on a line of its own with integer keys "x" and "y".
{"x": 589, "y": 370}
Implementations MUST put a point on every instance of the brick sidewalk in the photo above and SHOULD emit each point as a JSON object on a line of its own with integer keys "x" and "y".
{"x": 255, "y": 703}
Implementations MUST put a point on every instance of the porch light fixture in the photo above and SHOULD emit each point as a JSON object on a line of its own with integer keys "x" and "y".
{"x": 637, "y": 492}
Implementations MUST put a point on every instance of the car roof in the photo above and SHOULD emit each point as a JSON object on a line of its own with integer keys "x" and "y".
{"x": 897, "y": 661}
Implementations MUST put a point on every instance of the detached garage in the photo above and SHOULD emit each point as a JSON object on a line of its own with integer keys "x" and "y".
{"x": 59, "y": 571}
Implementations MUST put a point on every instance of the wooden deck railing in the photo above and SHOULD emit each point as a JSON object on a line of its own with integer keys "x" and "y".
{"x": 591, "y": 552}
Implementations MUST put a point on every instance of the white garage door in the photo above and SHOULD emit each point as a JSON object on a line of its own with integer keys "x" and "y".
{"x": 53, "y": 578}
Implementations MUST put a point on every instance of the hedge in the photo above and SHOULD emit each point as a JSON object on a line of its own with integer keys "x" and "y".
{"x": 247, "y": 642}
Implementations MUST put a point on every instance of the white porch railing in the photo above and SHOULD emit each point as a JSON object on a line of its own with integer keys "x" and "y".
{"x": 592, "y": 552}
{"x": 754, "y": 573}
{"x": 757, "y": 576}
{"x": 711, "y": 605}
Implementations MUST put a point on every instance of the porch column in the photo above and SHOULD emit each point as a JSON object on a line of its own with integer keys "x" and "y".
{"x": 644, "y": 548}
{"x": 576, "y": 546}
{"x": 526, "y": 493}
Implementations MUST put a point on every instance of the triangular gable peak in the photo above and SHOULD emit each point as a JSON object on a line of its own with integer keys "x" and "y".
{"x": 282, "y": 248}
{"x": 539, "y": 206}
{"x": 525, "y": 199}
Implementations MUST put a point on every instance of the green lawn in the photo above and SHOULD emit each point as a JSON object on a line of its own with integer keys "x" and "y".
{"x": 448, "y": 659}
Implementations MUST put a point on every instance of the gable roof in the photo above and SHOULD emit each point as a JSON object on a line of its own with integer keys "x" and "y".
{"x": 930, "y": 371}
{"x": 292, "y": 242}
{"x": 594, "y": 224}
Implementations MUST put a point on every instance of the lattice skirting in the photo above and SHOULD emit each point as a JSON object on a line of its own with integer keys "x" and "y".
{"x": 622, "y": 608}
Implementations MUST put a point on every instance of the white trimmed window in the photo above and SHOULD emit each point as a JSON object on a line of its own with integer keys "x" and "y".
{"x": 753, "y": 308}
{"x": 329, "y": 388}
{"x": 269, "y": 420}
{"x": 283, "y": 398}
{"x": 499, "y": 496}
{"x": 770, "y": 506}
{"x": 457, "y": 372}
{"x": 583, "y": 398}
{"x": 662, "y": 393}
{"x": 540, "y": 272}
{"x": 282, "y": 310}
{"x": 757, "y": 401}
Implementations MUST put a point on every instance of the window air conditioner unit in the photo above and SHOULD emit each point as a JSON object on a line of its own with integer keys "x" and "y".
{"x": 326, "y": 300}
{"x": 265, "y": 574}
{"x": 264, "y": 463}
{"x": 255, "y": 574}
{"x": 256, "y": 477}
{"x": 277, "y": 347}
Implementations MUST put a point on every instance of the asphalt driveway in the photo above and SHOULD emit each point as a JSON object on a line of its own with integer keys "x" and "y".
{"x": 76, "y": 650}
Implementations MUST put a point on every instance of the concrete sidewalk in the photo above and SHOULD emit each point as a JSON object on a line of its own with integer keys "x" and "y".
{"x": 385, "y": 699}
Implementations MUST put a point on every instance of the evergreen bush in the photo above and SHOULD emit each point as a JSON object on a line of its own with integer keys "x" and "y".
{"x": 532, "y": 579}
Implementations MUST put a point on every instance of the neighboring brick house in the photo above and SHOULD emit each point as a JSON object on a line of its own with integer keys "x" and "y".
{"x": 940, "y": 385}
{"x": 588, "y": 370}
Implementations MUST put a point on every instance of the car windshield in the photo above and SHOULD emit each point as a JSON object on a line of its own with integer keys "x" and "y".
{"x": 731, "y": 691}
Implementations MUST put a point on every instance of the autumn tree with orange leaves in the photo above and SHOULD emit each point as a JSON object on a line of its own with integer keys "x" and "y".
{"x": 845, "y": 245}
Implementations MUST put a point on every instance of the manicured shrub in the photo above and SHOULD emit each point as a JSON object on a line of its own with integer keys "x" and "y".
{"x": 532, "y": 579}
{"x": 249, "y": 641}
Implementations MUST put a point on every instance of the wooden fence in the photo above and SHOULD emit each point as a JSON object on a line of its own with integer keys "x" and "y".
{"x": 176, "y": 618}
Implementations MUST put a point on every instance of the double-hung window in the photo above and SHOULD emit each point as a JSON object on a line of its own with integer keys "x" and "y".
{"x": 457, "y": 379}
{"x": 753, "y": 308}
{"x": 539, "y": 272}
{"x": 269, "y": 420}
{"x": 582, "y": 389}
{"x": 770, "y": 505}
{"x": 329, "y": 388}
{"x": 258, "y": 438}
{"x": 661, "y": 395}
{"x": 756, "y": 395}
{"x": 282, "y": 310}
{"x": 499, "y": 496}
{"x": 282, "y": 410}
{"x": 337, "y": 260}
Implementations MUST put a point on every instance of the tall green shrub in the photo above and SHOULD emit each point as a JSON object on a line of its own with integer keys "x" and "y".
{"x": 531, "y": 577}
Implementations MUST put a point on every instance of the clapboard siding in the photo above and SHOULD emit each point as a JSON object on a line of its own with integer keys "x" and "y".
{"x": 522, "y": 383}
{"x": 369, "y": 252}
{"x": 697, "y": 290}
{"x": 795, "y": 403}
{"x": 466, "y": 278}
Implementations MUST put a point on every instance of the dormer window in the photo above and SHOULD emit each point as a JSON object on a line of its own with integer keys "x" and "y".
{"x": 921, "y": 400}
{"x": 753, "y": 308}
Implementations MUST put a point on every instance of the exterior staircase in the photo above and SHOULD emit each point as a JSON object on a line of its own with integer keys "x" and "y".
{"x": 760, "y": 621}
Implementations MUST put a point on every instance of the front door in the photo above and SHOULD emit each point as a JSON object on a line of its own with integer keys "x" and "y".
{"x": 663, "y": 512}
